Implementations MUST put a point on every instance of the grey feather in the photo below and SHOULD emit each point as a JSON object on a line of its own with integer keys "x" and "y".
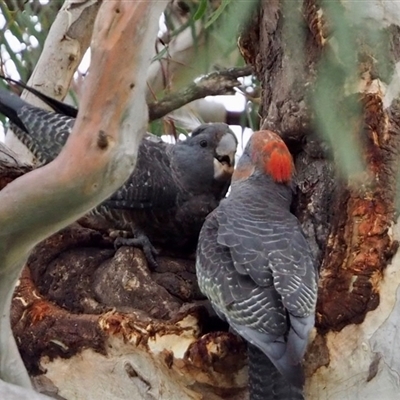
{"x": 255, "y": 266}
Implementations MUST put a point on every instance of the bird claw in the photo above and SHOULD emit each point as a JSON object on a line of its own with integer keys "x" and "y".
{"x": 142, "y": 242}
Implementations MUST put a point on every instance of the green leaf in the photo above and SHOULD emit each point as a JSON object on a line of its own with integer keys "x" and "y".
{"x": 201, "y": 10}
{"x": 217, "y": 13}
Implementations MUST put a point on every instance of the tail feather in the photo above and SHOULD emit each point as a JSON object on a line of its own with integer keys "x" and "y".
{"x": 57, "y": 106}
{"x": 297, "y": 340}
{"x": 43, "y": 132}
{"x": 10, "y": 105}
{"x": 275, "y": 349}
{"x": 266, "y": 382}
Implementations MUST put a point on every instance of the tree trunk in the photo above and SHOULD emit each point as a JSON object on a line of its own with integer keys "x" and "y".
{"x": 92, "y": 165}
{"x": 330, "y": 86}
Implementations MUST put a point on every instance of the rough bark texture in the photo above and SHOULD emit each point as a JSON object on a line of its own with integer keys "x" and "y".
{"x": 78, "y": 297}
{"x": 94, "y": 323}
{"x": 78, "y": 300}
{"x": 360, "y": 244}
{"x": 216, "y": 83}
{"x": 367, "y": 210}
{"x": 287, "y": 74}
{"x": 348, "y": 219}
{"x": 80, "y": 304}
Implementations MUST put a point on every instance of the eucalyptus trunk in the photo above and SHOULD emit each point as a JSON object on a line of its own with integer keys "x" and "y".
{"x": 329, "y": 77}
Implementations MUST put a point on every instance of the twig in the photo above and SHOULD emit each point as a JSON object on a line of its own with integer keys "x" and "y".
{"x": 215, "y": 83}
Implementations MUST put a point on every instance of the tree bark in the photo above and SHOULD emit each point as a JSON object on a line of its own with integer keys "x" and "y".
{"x": 324, "y": 66}
{"x": 212, "y": 84}
{"x": 99, "y": 156}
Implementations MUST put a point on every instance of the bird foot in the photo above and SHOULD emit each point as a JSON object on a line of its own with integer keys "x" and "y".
{"x": 142, "y": 242}
{"x": 117, "y": 233}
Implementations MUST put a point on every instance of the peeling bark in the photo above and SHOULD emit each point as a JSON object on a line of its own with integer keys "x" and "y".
{"x": 79, "y": 308}
{"x": 150, "y": 334}
{"x": 79, "y": 304}
{"x": 360, "y": 243}
{"x": 147, "y": 338}
{"x": 349, "y": 219}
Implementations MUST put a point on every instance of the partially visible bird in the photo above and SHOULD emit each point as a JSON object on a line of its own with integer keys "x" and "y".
{"x": 256, "y": 267}
{"x": 172, "y": 189}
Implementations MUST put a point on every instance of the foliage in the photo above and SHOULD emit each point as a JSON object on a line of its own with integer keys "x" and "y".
{"x": 25, "y": 27}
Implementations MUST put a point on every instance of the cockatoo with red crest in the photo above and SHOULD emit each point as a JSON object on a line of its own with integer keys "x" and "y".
{"x": 256, "y": 267}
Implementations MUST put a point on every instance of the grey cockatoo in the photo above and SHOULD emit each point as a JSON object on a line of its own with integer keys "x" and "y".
{"x": 172, "y": 189}
{"x": 256, "y": 267}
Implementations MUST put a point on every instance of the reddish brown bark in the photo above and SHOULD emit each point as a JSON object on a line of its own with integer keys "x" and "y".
{"x": 348, "y": 220}
{"x": 58, "y": 311}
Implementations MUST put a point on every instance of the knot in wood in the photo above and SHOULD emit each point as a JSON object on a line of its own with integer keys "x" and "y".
{"x": 102, "y": 140}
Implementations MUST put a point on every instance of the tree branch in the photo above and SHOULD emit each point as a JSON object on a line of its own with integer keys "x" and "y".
{"x": 213, "y": 84}
{"x": 98, "y": 157}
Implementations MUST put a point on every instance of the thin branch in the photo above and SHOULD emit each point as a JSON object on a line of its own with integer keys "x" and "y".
{"x": 213, "y": 84}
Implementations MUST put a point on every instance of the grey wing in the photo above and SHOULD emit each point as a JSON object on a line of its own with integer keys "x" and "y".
{"x": 151, "y": 185}
{"x": 255, "y": 312}
{"x": 221, "y": 282}
{"x": 268, "y": 243}
{"x": 268, "y": 248}
{"x": 47, "y": 132}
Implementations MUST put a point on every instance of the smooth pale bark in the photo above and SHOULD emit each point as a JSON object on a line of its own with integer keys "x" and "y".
{"x": 364, "y": 359}
{"x": 12, "y": 392}
{"x": 99, "y": 156}
{"x": 351, "y": 356}
{"x": 159, "y": 366}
